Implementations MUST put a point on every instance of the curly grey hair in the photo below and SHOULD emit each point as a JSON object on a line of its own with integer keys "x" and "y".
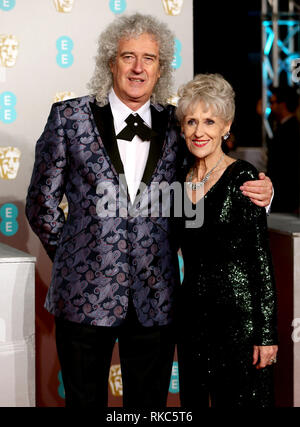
{"x": 211, "y": 89}
{"x": 131, "y": 27}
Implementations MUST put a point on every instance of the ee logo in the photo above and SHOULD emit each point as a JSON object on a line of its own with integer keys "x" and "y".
{"x": 177, "y": 61}
{"x": 8, "y": 214}
{"x": 174, "y": 383}
{"x": 117, "y": 6}
{"x": 181, "y": 267}
{"x": 8, "y": 101}
{"x": 61, "y": 388}
{"x": 7, "y": 5}
{"x": 64, "y": 46}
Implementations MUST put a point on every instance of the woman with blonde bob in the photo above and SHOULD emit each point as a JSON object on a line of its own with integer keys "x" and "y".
{"x": 227, "y": 306}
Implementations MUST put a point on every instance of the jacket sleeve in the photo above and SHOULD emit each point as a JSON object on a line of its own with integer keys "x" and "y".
{"x": 254, "y": 224}
{"x": 47, "y": 184}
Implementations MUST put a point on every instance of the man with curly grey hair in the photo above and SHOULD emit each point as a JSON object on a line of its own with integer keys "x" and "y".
{"x": 113, "y": 277}
{"x": 134, "y": 27}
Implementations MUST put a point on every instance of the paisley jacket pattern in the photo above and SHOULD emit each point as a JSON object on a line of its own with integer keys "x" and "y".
{"x": 98, "y": 261}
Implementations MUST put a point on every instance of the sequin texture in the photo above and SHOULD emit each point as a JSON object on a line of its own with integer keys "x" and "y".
{"x": 227, "y": 302}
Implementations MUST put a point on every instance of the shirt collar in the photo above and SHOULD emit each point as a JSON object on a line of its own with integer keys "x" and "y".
{"x": 120, "y": 111}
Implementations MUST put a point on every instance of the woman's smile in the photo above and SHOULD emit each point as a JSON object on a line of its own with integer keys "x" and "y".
{"x": 200, "y": 142}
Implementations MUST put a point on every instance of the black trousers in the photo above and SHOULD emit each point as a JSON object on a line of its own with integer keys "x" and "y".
{"x": 146, "y": 357}
{"x": 207, "y": 378}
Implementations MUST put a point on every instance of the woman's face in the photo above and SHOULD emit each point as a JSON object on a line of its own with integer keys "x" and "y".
{"x": 203, "y": 132}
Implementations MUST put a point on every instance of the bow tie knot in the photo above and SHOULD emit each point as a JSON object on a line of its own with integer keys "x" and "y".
{"x": 136, "y": 126}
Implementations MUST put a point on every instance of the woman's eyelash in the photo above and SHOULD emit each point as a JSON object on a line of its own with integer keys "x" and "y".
{"x": 192, "y": 122}
{"x": 207, "y": 121}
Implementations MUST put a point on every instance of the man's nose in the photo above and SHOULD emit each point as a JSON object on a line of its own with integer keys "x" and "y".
{"x": 138, "y": 65}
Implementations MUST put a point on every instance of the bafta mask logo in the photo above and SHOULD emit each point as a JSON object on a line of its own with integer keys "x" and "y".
{"x": 9, "y": 162}
{"x": 115, "y": 380}
{"x": 65, "y": 208}
{"x": 9, "y": 48}
{"x": 172, "y": 7}
{"x": 63, "y": 96}
{"x": 173, "y": 100}
{"x": 64, "y": 6}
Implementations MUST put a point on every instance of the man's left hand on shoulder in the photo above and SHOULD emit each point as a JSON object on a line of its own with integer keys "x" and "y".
{"x": 260, "y": 191}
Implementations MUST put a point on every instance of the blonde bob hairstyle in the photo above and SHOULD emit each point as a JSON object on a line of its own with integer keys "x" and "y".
{"x": 132, "y": 27}
{"x": 210, "y": 89}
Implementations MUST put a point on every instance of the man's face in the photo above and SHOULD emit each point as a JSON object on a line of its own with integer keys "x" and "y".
{"x": 136, "y": 70}
{"x": 9, "y": 52}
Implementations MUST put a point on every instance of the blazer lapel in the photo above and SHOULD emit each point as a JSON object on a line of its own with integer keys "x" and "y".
{"x": 104, "y": 121}
{"x": 159, "y": 125}
{"x": 105, "y": 124}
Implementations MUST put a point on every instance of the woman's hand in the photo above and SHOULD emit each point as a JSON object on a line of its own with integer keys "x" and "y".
{"x": 264, "y": 355}
{"x": 259, "y": 191}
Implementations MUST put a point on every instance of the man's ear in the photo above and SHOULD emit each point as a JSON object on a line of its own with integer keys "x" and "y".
{"x": 111, "y": 66}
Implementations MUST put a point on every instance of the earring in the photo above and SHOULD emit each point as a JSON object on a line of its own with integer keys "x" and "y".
{"x": 226, "y": 136}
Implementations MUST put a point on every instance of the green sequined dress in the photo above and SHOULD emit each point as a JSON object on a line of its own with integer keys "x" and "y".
{"x": 227, "y": 301}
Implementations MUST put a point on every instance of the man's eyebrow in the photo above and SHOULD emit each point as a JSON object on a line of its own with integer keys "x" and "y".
{"x": 127, "y": 52}
{"x": 151, "y": 54}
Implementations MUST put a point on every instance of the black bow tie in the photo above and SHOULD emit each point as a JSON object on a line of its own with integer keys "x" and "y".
{"x": 136, "y": 126}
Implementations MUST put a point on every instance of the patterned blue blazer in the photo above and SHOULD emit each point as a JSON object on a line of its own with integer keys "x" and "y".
{"x": 98, "y": 260}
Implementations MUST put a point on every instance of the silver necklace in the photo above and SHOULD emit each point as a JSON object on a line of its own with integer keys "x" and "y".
{"x": 196, "y": 185}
